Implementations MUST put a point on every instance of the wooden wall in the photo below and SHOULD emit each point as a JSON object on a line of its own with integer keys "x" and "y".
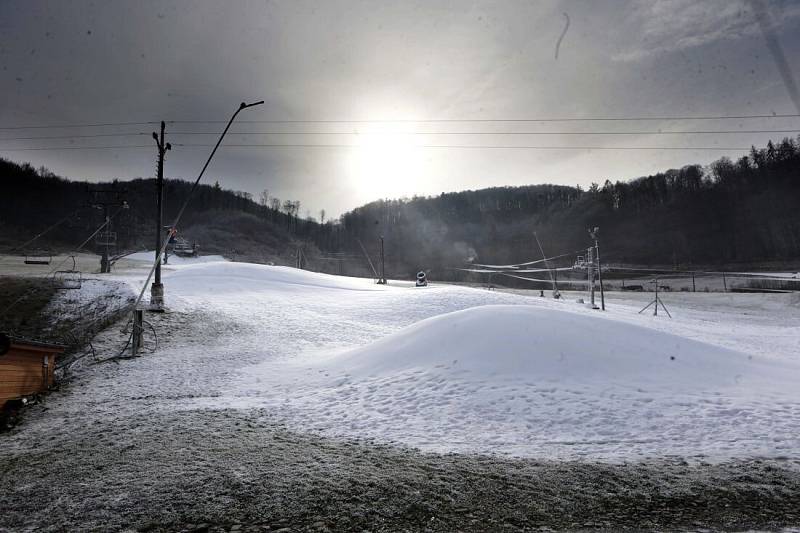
{"x": 26, "y": 369}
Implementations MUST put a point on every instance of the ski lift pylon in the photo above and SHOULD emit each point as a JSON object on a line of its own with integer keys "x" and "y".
{"x": 106, "y": 238}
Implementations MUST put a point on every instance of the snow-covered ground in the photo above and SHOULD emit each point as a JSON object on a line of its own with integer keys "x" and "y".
{"x": 448, "y": 368}
{"x": 246, "y": 415}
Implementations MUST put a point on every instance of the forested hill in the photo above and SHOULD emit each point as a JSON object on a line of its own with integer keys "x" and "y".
{"x": 221, "y": 221}
{"x": 730, "y": 212}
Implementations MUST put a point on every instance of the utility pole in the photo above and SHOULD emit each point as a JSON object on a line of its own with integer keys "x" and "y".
{"x": 593, "y": 232}
{"x": 105, "y": 263}
{"x": 157, "y": 288}
{"x": 382, "y": 280}
{"x": 590, "y": 274}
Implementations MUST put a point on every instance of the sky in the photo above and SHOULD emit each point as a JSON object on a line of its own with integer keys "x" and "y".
{"x": 373, "y": 98}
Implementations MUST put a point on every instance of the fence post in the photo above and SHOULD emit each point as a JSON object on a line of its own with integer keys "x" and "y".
{"x": 138, "y": 328}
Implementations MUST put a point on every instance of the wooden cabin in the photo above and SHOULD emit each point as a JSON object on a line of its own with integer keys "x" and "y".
{"x": 26, "y": 367}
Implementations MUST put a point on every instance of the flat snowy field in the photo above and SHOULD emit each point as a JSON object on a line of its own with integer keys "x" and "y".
{"x": 447, "y": 368}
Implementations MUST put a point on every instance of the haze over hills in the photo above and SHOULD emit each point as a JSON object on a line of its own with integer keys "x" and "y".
{"x": 730, "y": 212}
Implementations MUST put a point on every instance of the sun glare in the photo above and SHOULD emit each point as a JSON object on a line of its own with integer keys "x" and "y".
{"x": 386, "y": 164}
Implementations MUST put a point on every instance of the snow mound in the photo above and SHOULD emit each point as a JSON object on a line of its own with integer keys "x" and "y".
{"x": 533, "y": 381}
{"x": 496, "y": 342}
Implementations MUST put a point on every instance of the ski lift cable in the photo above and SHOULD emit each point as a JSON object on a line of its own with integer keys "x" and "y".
{"x": 70, "y": 254}
{"x": 530, "y": 270}
{"x": 528, "y": 263}
{"x": 684, "y": 273}
{"x": 28, "y": 243}
{"x": 546, "y": 281}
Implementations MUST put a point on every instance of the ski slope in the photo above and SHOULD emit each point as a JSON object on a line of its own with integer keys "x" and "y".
{"x": 454, "y": 369}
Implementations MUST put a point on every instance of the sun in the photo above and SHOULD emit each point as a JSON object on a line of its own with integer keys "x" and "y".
{"x": 386, "y": 164}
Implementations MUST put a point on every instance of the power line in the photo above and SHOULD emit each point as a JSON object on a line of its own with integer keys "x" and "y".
{"x": 95, "y": 125}
{"x": 480, "y": 120}
{"x": 450, "y": 146}
{"x": 418, "y": 121}
{"x": 355, "y": 133}
{"x": 481, "y": 146}
{"x": 56, "y": 148}
{"x": 91, "y": 136}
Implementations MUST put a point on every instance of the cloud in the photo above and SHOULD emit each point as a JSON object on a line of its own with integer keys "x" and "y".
{"x": 666, "y": 26}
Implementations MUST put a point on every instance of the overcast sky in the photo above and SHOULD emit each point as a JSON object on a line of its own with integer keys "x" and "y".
{"x": 68, "y": 63}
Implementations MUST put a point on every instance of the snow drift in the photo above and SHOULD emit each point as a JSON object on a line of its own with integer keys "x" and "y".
{"x": 534, "y": 381}
{"x": 500, "y": 341}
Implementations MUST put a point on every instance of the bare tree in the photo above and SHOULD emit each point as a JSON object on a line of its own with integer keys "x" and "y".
{"x": 263, "y": 197}
{"x": 322, "y": 216}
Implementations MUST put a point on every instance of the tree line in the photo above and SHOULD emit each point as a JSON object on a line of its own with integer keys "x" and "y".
{"x": 730, "y": 211}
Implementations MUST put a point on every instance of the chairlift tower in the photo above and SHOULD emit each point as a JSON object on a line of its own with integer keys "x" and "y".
{"x": 106, "y": 239}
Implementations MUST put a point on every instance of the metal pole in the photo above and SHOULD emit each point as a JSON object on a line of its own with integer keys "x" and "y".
{"x": 191, "y": 191}
{"x": 724, "y": 282}
{"x": 694, "y": 289}
{"x": 600, "y": 276}
{"x": 655, "y": 313}
{"x": 590, "y": 274}
{"x": 105, "y": 268}
{"x": 382, "y": 281}
{"x": 138, "y": 328}
{"x": 157, "y": 289}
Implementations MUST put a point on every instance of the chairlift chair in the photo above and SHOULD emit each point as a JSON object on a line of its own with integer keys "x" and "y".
{"x": 580, "y": 263}
{"x": 38, "y": 257}
{"x": 68, "y": 279}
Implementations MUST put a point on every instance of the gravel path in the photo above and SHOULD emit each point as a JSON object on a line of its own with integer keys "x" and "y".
{"x": 222, "y": 469}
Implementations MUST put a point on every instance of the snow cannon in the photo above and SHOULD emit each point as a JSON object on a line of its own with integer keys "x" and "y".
{"x": 422, "y": 280}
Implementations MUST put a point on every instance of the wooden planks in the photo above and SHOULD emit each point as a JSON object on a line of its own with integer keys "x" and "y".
{"x": 26, "y": 369}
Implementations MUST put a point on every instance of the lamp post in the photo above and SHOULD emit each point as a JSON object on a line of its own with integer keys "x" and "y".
{"x": 174, "y": 225}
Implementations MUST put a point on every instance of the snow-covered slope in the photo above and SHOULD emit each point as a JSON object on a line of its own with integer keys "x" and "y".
{"x": 447, "y": 368}
{"x": 149, "y": 257}
{"x": 251, "y": 278}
